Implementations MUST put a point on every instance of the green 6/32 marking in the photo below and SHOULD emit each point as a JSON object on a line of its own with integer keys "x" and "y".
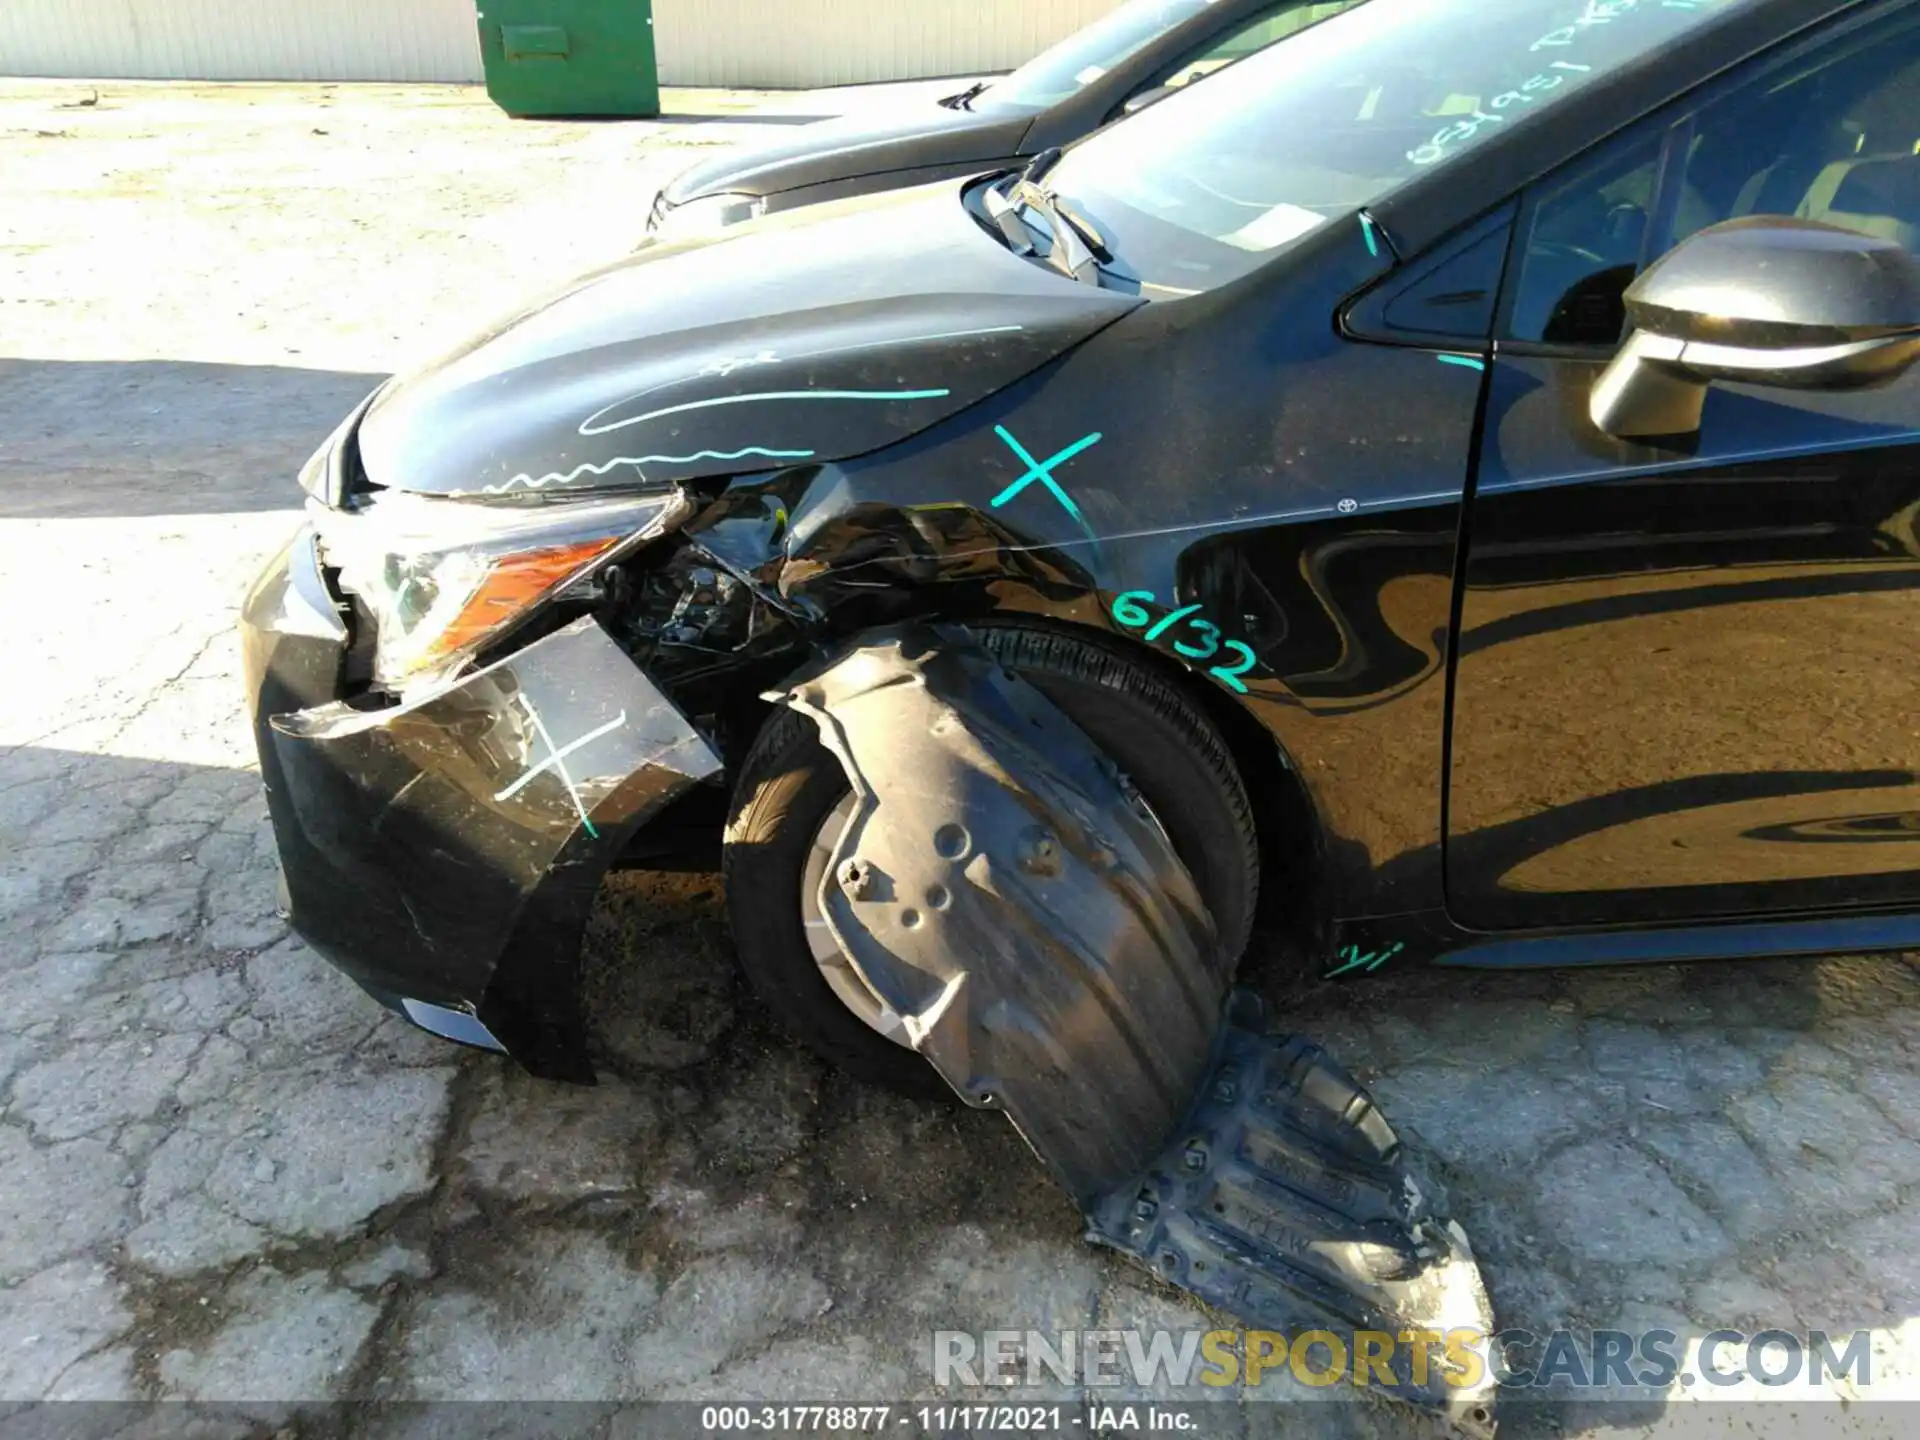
{"x": 1129, "y": 610}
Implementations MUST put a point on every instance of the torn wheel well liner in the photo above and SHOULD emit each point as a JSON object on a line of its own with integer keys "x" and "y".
{"x": 790, "y": 785}
{"x": 1031, "y": 922}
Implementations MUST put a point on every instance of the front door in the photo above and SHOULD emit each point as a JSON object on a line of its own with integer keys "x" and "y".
{"x": 1687, "y": 685}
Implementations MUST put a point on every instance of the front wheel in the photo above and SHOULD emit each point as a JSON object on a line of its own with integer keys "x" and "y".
{"x": 793, "y": 799}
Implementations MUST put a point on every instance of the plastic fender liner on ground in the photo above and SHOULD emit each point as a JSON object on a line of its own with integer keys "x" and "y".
{"x": 1287, "y": 1200}
{"x": 1002, "y": 890}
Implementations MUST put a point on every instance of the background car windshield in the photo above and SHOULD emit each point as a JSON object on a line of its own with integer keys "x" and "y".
{"x": 1207, "y": 184}
{"x": 1086, "y": 55}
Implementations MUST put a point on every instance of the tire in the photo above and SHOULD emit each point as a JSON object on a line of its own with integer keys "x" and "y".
{"x": 790, "y": 783}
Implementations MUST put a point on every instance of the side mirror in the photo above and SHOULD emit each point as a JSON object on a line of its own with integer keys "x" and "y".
{"x": 1136, "y": 103}
{"x": 1765, "y": 300}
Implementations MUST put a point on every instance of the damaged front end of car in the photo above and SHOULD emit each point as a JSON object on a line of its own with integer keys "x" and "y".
{"x": 552, "y": 589}
{"x": 998, "y": 885}
{"x": 442, "y": 831}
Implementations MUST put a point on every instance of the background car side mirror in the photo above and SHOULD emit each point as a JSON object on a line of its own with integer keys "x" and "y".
{"x": 1136, "y": 103}
{"x": 1765, "y": 300}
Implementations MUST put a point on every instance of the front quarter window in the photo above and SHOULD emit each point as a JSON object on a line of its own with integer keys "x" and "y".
{"x": 1204, "y": 186}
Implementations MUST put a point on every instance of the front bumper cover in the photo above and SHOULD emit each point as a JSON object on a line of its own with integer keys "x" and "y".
{"x": 446, "y": 852}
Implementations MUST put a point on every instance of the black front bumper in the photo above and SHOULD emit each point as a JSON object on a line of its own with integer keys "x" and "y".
{"x": 444, "y": 853}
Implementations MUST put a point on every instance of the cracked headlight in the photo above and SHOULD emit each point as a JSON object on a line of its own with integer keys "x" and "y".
{"x": 441, "y": 578}
{"x": 706, "y": 216}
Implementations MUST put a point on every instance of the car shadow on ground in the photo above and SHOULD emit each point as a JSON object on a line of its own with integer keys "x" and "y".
{"x": 161, "y": 437}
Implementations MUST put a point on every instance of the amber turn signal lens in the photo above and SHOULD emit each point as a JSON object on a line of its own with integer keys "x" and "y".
{"x": 510, "y": 586}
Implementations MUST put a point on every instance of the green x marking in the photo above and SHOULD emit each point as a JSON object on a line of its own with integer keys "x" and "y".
{"x": 1042, "y": 470}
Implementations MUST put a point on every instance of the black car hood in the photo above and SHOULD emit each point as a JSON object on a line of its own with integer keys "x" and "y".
{"x": 792, "y": 340}
{"x": 920, "y": 136}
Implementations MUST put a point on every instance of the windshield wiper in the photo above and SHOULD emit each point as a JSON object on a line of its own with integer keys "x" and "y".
{"x": 964, "y": 100}
{"x": 1006, "y": 219}
{"x": 1077, "y": 249}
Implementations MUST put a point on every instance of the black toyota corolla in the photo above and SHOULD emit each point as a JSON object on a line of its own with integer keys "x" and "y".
{"x": 1449, "y": 483}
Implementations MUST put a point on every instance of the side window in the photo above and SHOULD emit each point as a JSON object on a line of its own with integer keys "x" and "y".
{"x": 1830, "y": 133}
{"x": 1253, "y": 34}
{"x": 1835, "y": 138}
{"x": 1584, "y": 238}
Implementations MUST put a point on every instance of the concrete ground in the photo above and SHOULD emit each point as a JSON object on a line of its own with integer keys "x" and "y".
{"x": 224, "y": 1174}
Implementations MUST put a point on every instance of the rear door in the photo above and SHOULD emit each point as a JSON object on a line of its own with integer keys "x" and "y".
{"x": 1687, "y": 684}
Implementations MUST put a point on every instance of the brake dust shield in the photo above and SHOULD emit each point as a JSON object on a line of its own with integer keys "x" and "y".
{"x": 1002, "y": 889}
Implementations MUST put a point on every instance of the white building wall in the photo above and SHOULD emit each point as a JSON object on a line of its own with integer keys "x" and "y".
{"x": 241, "y": 39}
{"x": 775, "y": 43}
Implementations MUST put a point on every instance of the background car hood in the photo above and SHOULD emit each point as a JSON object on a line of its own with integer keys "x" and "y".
{"x": 919, "y": 135}
{"x": 794, "y": 340}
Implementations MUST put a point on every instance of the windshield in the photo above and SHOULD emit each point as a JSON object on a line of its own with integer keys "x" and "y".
{"x": 1205, "y": 185}
{"x": 1084, "y": 56}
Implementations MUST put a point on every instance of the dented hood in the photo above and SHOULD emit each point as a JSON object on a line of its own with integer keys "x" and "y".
{"x": 802, "y": 339}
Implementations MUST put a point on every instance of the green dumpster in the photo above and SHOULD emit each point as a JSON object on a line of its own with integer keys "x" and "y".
{"x": 570, "y": 57}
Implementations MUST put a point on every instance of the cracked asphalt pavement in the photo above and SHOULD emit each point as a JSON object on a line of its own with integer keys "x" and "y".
{"x": 226, "y": 1175}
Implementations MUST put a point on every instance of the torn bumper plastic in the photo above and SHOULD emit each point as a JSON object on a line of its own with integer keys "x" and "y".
{"x": 445, "y": 853}
{"x": 1000, "y": 888}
